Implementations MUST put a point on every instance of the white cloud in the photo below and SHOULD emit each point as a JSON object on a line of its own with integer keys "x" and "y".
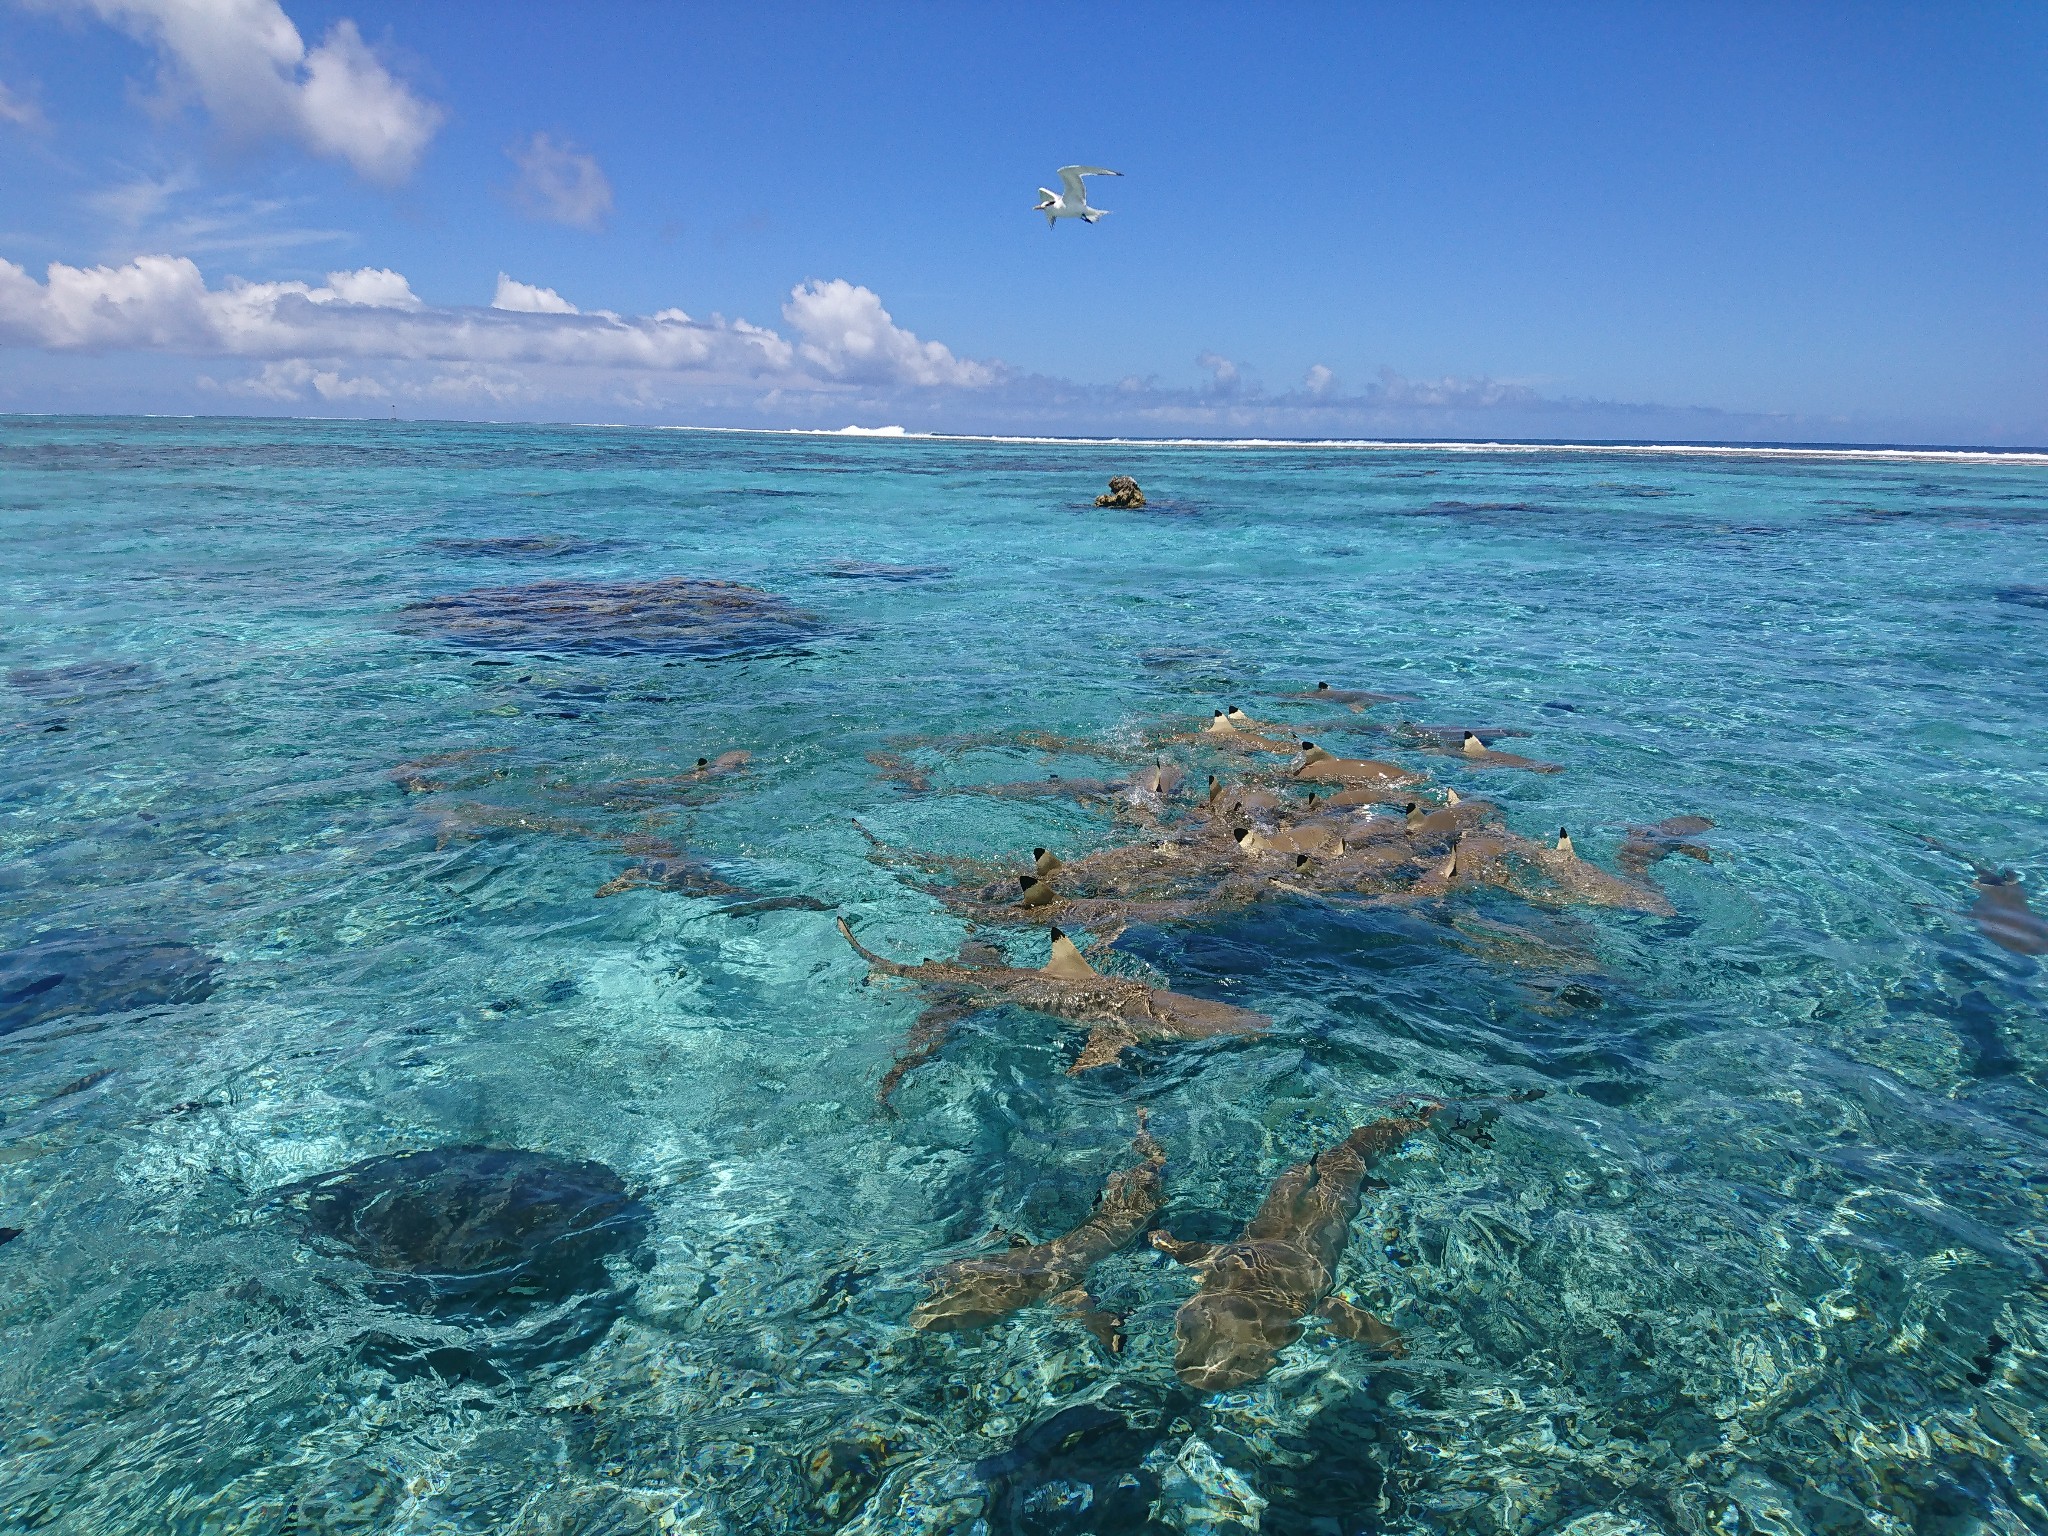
{"x": 848, "y": 335}
{"x": 295, "y": 378}
{"x": 377, "y": 287}
{"x": 161, "y": 212}
{"x": 526, "y": 299}
{"x": 845, "y": 339}
{"x": 560, "y": 183}
{"x": 247, "y": 65}
{"x": 1223, "y": 373}
{"x": 22, "y": 111}
{"x": 1318, "y": 381}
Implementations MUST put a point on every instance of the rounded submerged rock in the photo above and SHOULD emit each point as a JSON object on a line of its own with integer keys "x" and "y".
{"x": 487, "y": 1231}
{"x": 671, "y": 615}
{"x": 83, "y": 972}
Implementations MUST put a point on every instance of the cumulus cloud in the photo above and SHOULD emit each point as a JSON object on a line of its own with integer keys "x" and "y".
{"x": 848, "y": 335}
{"x": 22, "y": 111}
{"x": 845, "y": 339}
{"x": 526, "y": 299}
{"x": 245, "y": 63}
{"x": 1223, "y": 373}
{"x": 1318, "y": 381}
{"x": 560, "y": 183}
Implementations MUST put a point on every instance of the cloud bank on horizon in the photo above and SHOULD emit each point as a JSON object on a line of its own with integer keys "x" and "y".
{"x": 364, "y": 338}
{"x": 129, "y": 304}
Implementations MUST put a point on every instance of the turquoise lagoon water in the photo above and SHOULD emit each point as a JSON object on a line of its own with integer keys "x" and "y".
{"x": 1769, "y": 1255}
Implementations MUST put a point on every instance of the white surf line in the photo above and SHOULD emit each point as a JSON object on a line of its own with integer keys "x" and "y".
{"x": 2030, "y": 457}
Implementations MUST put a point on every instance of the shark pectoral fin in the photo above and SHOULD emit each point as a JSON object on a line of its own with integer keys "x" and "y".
{"x": 1175, "y": 1249}
{"x": 928, "y": 1036}
{"x": 1084, "y": 1309}
{"x": 1351, "y": 1322}
{"x": 1105, "y": 1045}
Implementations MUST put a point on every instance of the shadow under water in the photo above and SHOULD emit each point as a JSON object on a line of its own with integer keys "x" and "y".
{"x": 76, "y": 972}
{"x": 675, "y": 615}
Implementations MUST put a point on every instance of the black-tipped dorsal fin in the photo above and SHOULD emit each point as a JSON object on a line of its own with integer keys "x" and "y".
{"x": 1067, "y": 963}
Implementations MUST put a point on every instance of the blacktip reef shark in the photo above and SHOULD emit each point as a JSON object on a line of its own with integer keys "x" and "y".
{"x": 1122, "y": 1012}
{"x": 1474, "y": 750}
{"x": 975, "y": 1292}
{"x": 2002, "y": 914}
{"x": 1358, "y": 698}
{"x": 1320, "y": 767}
{"x": 2000, "y": 911}
{"x": 1255, "y": 1291}
{"x": 1645, "y": 846}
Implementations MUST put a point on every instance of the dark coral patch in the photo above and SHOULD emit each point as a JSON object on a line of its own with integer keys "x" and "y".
{"x": 78, "y": 681}
{"x": 81, "y": 972}
{"x": 676, "y": 615}
{"x": 484, "y": 1232}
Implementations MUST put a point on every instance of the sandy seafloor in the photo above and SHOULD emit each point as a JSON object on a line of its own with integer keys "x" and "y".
{"x": 1768, "y": 1256}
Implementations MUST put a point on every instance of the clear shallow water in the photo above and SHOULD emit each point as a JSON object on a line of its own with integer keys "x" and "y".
{"x": 1769, "y": 1255}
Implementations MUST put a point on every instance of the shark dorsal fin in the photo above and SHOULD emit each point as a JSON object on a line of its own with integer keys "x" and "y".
{"x": 1450, "y": 870}
{"x": 1322, "y": 687}
{"x": 1034, "y": 892}
{"x": 1043, "y": 861}
{"x": 1564, "y": 844}
{"x": 1251, "y": 840}
{"x": 1311, "y": 753}
{"x": 1473, "y": 746}
{"x": 1067, "y": 962}
{"x": 1221, "y": 723}
{"x": 1235, "y": 715}
{"x": 1451, "y": 797}
{"x": 1215, "y": 789}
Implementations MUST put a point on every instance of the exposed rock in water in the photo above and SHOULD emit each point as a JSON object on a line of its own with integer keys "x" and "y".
{"x": 675, "y": 615}
{"x": 85, "y": 971}
{"x": 1123, "y": 492}
{"x": 486, "y": 1232}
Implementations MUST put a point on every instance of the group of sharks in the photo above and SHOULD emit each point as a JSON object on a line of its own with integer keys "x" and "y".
{"x": 1345, "y": 830}
{"x": 1315, "y": 824}
{"x": 1254, "y": 1290}
{"x": 1280, "y": 816}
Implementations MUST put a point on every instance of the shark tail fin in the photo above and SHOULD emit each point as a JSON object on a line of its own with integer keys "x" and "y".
{"x": 881, "y": 963}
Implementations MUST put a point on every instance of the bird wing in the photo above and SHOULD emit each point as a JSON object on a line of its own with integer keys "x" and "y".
{"x": 1070, "y": 178}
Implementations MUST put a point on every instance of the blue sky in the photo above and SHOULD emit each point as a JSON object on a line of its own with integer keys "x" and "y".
{"x": 1728, "y": 221}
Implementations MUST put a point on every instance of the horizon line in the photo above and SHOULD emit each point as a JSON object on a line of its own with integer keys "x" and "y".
{"x": 1876, "y": 452}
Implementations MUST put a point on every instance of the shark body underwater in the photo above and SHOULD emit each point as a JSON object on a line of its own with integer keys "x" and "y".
{"x": 975, "y": 1292}
{"x": 1122, "y": 1012}
{"x": 1255, "y": 1291}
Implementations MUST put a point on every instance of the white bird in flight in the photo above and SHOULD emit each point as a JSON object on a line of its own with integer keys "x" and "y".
{"x": 1071, "y": 203}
